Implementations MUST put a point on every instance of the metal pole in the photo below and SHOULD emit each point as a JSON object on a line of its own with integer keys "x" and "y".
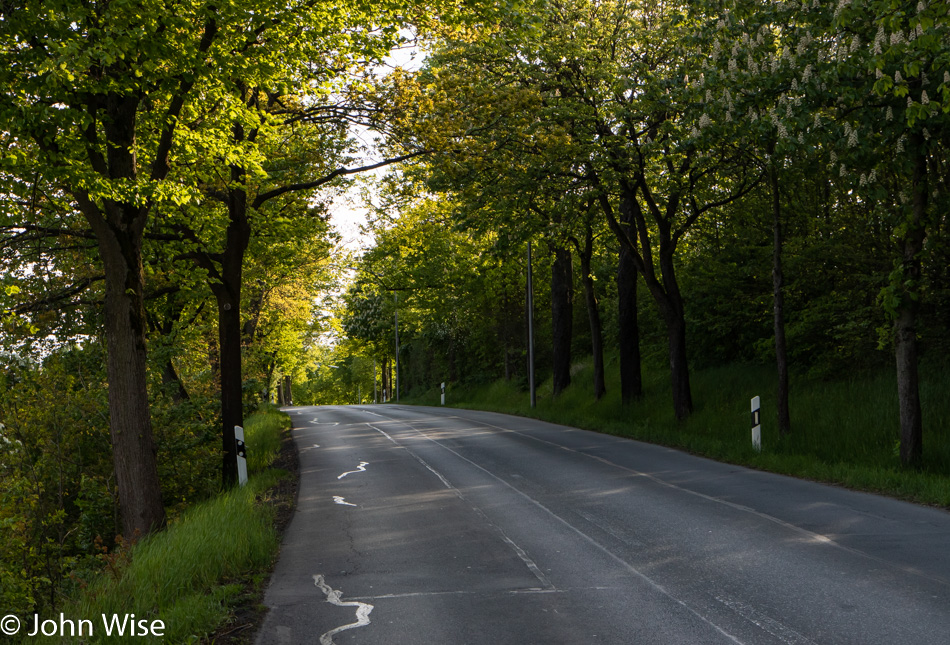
{"x": 530, "y": 306}
{"x": 374, "y": 382}
{"x": 396, "y": 301}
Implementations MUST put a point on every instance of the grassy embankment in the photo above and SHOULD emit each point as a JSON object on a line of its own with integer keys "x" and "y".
{"x": 191, "y": 574}
{"x": 844, "y": 431}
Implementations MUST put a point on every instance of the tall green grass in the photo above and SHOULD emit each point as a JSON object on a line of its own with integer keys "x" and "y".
{"x": 262, "y": 436}
{"x": 844, "y": 431}
{"x": 188, "y": 575}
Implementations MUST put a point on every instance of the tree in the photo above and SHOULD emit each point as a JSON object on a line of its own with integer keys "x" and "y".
{"x": 115, "y": 99}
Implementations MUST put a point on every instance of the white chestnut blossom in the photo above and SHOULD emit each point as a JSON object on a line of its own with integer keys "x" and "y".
{"x": 878, "y": 39}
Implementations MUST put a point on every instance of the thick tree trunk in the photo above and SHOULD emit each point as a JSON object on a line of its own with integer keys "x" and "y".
{"x": 778, "y": 305}
{"x": 905, "y": 325}
{"x": 119, "y": 230}
{"x": 631, "y": 376}
{"x": 562, "y": 317}
{"x": 593, "y": 316}
{"x": 130, "y": 424}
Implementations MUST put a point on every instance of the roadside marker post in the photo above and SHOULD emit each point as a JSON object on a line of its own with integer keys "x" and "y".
{"x": 443, "y": 393}
{"x": 756, "y": 425}
{"x": 241, "y": 455}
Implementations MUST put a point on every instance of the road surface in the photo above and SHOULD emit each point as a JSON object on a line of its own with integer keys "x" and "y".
{"x": 435, "y": 525}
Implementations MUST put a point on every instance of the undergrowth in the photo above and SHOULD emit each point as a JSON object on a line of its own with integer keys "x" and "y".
{"x": 188, "y": 575}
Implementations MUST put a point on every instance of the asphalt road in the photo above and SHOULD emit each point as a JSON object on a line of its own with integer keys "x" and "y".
{"x": 443, "y": 526}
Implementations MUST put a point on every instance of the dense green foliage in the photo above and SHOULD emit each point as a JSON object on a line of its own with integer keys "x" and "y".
{"x": 775, "y": 172}
{"x": 166, "y": 170}
{"x": 704, "y": 184}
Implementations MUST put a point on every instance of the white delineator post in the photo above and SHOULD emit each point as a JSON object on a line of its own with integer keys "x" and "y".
{"x": 443, "y": 393}
{"x": 241, "y": 455}
{"x": 756, "y": 425}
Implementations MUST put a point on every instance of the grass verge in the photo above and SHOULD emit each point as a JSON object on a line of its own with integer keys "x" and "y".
{"x": 844, "y": 431}
{"x": 212, "y": 558}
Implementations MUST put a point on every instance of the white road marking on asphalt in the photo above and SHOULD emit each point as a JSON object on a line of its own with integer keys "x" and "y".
{"x": 652, "y": 583}
{"x": 532, "y": 567}
{"x": 809, "y": 535}
{"x": 334, "y": 597}
{"x": 782, "y": 632}
{"x": 340, "y": 500}
{"x": 466, "y": 592}
{"x": 316, "y": 421}
{"x": 359, "y": 469}
{"x": 382, "y": 433}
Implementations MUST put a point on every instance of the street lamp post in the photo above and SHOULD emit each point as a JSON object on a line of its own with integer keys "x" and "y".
{"x": 530, "y": 307}
{"x": 396, "y": 301}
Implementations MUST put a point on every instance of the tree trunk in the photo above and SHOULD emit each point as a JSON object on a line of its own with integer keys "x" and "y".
{"x": 288, "y": 395}
{"x": 226, "y": 286}
{"x": 663, "y": 287}
{"x": 172, "y": 382}
{"x": 119, "y": 230}
{"x": 232, "y": 405}
{"x": 679, "y": 366}
{"x": 905, "y": 326}
{"x": 673, "y": 308}
{"x": 271, "y": 364}
{"x": 562, "y": 317}
{"x": 631, "y": 376}
{"x": 593, "y": 315}
{"x": 130, "y": 424}
{"x": 778, "y": 302}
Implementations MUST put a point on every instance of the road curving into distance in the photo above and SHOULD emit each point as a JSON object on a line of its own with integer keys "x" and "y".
{"x": 435, "y": 525}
